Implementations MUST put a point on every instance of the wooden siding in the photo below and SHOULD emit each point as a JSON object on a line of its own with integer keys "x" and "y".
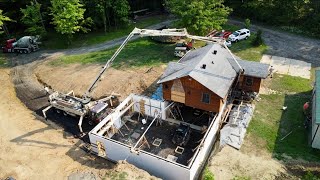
{"x": 255, "y": 87}
{"x": 177, "y": 92}
{"x": 193, "y": 95}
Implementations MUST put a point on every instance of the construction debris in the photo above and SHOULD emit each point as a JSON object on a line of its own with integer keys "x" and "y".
{"x": 234, "y": 131}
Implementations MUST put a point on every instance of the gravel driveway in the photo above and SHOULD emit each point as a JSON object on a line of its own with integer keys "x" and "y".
{"x": 288, "y": 45}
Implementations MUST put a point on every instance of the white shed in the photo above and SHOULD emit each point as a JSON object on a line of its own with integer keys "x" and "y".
{"x": 315, "y": 124}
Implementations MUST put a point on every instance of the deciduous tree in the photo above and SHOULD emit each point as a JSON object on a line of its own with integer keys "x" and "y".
{"x": 32, "y": 18}
{"x": 199, "y": 16}
{"x": 121, "y": 10}
{"x": 68, "y": 17}
{"x": 3, "y": 18}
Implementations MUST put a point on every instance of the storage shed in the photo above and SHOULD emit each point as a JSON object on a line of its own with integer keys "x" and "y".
{"x": 315, "y": 122}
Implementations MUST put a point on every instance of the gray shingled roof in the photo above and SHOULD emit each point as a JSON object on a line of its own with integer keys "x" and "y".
{"x": 220, "y": 68}
{"x": 254, "y": 69}
{"x": 214, "y": 77}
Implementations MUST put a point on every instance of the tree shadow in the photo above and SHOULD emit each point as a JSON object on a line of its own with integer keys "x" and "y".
{"x": 292, "y": 136}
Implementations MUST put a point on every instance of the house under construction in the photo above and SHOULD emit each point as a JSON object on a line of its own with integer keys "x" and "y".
{"x": 199, "y": 92}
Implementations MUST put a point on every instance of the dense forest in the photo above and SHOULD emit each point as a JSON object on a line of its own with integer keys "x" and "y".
{"x": 68, "y": 17}
{"x": 298, "y": 15}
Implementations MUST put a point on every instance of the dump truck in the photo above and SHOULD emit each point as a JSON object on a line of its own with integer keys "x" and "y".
{"x": 24, "y": 45}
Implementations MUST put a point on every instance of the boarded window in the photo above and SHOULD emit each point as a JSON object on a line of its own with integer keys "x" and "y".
{"x": 205, "y": 98}
{"x": 249, "y": 81}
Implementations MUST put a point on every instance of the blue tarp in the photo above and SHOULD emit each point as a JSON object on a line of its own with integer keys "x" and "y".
{"x": 157, "y": 94}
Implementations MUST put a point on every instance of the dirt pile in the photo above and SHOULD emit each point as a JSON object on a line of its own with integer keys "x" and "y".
{"x": 78, "y": 78}
{"x": 32, "y": 149}
{"x": 229, "y": 163}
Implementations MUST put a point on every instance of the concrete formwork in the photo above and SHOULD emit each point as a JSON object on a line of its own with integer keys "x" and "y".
{"x": 154, "y": 164}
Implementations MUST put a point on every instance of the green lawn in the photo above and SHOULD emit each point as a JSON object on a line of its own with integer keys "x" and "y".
{"x": 270, "y": 124}
{"x": 142, "y": 52}
{"x": 3, "y": 61}
{"x": 245, "y": 50}
{"x": 57, "y": 41}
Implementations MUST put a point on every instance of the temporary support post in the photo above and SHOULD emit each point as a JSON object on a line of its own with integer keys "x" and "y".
{"x": 80, "y": 124}
{"x": 144, "y": 133}
{"x": 145, "y": 141}
{"x": 45, "y": 110}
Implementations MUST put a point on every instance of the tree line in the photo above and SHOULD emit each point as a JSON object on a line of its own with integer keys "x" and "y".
{"x": 69, "y": 17}
{"x": 302, "y": 14}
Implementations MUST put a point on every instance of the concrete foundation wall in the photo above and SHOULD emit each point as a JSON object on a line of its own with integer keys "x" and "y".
{"x": 155, "y": 165}
{"x": 204, "y": 152}
{"x": 151, "y": 106}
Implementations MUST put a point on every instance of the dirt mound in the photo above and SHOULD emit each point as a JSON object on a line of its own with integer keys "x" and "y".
{"x": 32, "y": 149}
{"x": 229, "y": 163}
{"x": 78, "y": 77}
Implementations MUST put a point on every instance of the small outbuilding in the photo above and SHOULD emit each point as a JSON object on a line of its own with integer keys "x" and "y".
{"x": 315, "y": 122}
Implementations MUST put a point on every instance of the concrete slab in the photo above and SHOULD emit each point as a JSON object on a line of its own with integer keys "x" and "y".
{"x": 266, "y": 59}
{"x": 288, "y": 66}
{"x": 300, "y": 68}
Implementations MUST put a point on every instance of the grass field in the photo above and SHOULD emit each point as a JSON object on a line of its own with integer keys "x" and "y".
{"x": 270, "y": 124}
{"x": 142, "y": 52}
{"x": 246, "y": 51}
{"x": 3, "y": 61}
{"x": 57, "y": 41}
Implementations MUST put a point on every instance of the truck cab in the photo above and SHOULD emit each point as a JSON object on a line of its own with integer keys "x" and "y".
{"x": 98, "y": 112}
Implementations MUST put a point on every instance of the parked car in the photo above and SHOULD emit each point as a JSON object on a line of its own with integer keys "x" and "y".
{"x": 181, "y": 135}
{"x": 223, "y": 34}
{"x": 239, "y": 35}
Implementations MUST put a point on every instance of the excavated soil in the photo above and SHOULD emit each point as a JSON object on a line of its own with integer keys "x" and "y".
{"x": 34, "y": 149}
{"x": 79, "y": 77}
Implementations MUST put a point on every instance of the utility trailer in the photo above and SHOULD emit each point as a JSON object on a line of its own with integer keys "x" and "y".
{"x": 69, "y": 104}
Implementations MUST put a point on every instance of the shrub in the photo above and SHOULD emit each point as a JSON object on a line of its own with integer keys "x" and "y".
{"x": 247, "y": 23}
{"x": 258, "y": 40}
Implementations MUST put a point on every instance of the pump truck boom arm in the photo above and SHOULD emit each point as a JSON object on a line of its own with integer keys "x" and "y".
{"x": 148, "y": 32}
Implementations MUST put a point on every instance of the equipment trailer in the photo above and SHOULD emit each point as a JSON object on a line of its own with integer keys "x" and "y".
{"x": 85, "y": 107}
